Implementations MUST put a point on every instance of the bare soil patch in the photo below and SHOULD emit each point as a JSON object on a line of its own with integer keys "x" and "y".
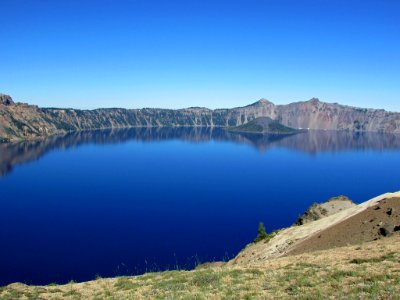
{"x": 380, "y": 220}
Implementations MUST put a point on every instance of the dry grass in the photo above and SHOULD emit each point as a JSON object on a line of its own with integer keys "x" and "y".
{"x": 367, "y": 271}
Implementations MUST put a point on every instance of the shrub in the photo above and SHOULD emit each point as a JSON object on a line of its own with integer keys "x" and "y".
{"x": 262, "y": 234}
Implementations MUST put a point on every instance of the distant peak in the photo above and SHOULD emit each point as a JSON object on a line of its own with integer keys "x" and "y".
{"x": 314, "y": 100}
{"x": 264, "y": 101}
{"x": 261, "y": 102}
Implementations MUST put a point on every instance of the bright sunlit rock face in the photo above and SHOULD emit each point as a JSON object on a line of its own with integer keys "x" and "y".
{"x": 24, "y": 121}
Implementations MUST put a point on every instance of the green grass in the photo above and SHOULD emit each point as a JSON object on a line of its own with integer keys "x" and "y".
{"x": 299, "y": 278}
{"x": 125, "y": 283}
{"x": 52, "y": 284}
{"x": 338, "y": 275}
{"x": 11, "y": 294}
{"x": 71, "y": 293}
{"x": 390, "y": 256}
{"x": 206, "y": 279}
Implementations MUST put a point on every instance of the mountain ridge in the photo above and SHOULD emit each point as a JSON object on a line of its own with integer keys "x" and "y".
{"x": 20, "y": 121}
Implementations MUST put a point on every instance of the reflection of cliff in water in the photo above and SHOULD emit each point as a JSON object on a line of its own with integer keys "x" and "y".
{"x": 311, "y": 142}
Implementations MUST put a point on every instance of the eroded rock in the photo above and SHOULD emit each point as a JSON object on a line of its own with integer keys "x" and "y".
{"x": 386, "y": 230}
{"x": 6, "y": 100}
{"x": 321, "y": 210}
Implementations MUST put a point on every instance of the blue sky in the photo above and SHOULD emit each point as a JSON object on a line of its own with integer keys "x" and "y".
{"x": 145, "y": 53}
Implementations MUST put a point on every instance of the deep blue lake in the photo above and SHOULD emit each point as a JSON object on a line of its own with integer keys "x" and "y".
{"x": 122, "y": 202}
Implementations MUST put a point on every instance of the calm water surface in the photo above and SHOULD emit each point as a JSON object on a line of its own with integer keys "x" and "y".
{"x": 128, "y": 201}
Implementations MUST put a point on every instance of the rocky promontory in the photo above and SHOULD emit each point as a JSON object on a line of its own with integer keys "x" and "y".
{"x": 321, "y": 210}
{"x": 6, "y": 100}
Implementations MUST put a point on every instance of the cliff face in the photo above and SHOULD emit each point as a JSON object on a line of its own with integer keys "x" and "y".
{"x": 315, "y": 114}
{"x": 22, "y": 121}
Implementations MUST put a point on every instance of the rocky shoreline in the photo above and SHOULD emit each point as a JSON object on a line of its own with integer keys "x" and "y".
{"x": 20, "y": 121}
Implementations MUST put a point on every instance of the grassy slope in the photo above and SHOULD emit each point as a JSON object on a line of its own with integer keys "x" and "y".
{"x": 368, "y": 271}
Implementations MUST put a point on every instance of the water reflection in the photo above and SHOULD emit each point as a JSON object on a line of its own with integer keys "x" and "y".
{"x": 311, "y": 142}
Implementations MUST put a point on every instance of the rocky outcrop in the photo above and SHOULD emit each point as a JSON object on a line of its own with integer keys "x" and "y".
{"x": 354, "y": 225}
{"x": 22, "y": 121}
{"x": 6, "y": 100}
{"x": 321, "y": 210}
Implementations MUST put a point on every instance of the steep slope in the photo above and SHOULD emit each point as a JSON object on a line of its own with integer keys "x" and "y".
{"x": 315, "y": 114}
{"x": 22, "y": 121}
{"x": 379, "y": 220}
{"x": 289, "y": 239}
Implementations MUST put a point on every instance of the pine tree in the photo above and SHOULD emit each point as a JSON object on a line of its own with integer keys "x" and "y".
{"x": 262, "y": 234}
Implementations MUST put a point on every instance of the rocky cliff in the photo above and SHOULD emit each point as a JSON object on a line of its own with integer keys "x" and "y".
{"x": 6, "y": 100}
{"x": 23, "y": 121}
{"x": 322, "y": 210}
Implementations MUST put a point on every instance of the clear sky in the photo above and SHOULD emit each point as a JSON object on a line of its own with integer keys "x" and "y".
{"x": 147, "y": 53}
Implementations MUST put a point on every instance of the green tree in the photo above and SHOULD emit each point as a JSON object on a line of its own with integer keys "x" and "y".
{"x": 262, "y": 234}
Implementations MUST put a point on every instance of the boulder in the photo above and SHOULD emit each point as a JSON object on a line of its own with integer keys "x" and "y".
{"x": 390, "y": 211}
{"x": 6, "y": 100}
{"x": 386, "y": 230}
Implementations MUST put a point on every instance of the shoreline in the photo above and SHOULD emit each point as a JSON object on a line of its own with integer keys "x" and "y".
{"x": 248, "y": 261}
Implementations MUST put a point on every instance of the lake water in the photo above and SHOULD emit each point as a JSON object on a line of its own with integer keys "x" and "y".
{"x": 127, "y": 201}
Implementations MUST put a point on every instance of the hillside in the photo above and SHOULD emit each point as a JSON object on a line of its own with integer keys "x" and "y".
{"x": 264, "y": 125}
{"x": 335, "y": 273}
{"x": 22, "y": 121}
{"x": 363, "y": 266}
{"x": 361, "y": 223}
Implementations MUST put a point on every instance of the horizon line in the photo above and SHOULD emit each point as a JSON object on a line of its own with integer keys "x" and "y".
{"x": 261, "y": 100}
